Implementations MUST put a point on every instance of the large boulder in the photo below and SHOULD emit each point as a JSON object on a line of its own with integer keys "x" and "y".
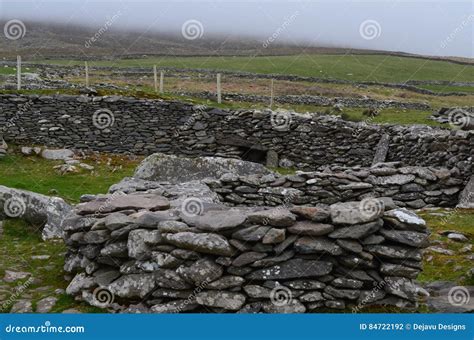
{"x": 35, "y": 209}
{"x": 168, "y": 168}
{"x": 466, "y": 199}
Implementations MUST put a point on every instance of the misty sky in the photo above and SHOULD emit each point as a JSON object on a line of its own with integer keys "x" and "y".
{"x": 424, "y": 27}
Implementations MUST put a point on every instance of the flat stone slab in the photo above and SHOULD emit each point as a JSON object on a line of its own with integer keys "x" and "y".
{"x": 124, "y": 202}
{"x": 203, "y": 243}
{"x": 162, "y": 168}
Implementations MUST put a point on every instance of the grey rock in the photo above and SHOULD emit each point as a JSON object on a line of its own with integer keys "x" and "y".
{"x": 277, "y": 217}
{"x": 316, "y": 214}
{"x": 116, "y": 221}
{"x": 133, "y": 285}
{"x": 21, "y": 307}
{"x": 216, "y": 221}
{"x": 45, "y": 305}
{"x": 341, "y": 282}
{"x": 139, "y": 242}
{"x": 79, "y": 282}
{"x": 201, "y": 271}
{"x": 176, "y": 306}
{"x": 12, "y": 276}
{"x": 305, "y": 284}
{"x": 162, "y": 168}
{"x": 394, "y": 252}
{"x": 221, "y": 299}
{"x": 466, "y": 199}
{"x": 247, "y": 258}
{"x": 257, "y": 292}
{"x": 352, "y": 213}
{"x": 251, "y": 234}
{"x": 57, "y": 154}
{"x": 292, "y": 307}
{"x": 274, "y": 236}
{"x": 310, "y": 228}
{"x": 357, "y": 231}
{"x": 291, "y": 269}
{"x": 390, "y": 269}
{"x": 411, "y": 238}
{"x": 36, "y": 209}
{"x": 404, "y": 219}
{"x": 312, "y": 245}
{"x": 226, "y": 282}
{"x": 203, "y": 243}
{"x": 338, "y": 293}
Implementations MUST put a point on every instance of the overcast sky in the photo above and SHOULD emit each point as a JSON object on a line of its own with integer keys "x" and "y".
{"x": 424, "y": 27}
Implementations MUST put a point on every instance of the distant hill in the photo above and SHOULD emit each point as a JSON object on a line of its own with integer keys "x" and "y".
{"x": 43, "y": 41}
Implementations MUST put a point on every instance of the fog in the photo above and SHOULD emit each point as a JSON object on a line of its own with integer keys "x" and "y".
{"x": 441, "y": 28}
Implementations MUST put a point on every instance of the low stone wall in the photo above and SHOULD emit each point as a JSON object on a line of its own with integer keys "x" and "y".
{"x": 307, "y": 142}
{"x": 140, "y": 252}
{"x": 411, "y": 187}
{"x": 315, "y": 100}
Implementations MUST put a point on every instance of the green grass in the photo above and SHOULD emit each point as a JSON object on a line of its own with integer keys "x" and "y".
{"x": 19, "y": 243}
{"x": 7, "y": 70}
{"x": 351, "y": 67}
{"x": 446, "y": 89}
{"x": 37, "y": 174}
{"x": 442, "y": 267}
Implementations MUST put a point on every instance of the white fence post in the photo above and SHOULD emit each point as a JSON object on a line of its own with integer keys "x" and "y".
{"x": 18, "y": 72}
{"x": 87, "y": 73}
{"x": 219, "y": 90}
{"x": 155, "y": 79}
{"x": 162, "y": 76}
{"x": 271, "y": 94}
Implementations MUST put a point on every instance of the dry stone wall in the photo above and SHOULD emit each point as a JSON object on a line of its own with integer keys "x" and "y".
{"x": 139, "y": 126}
{"x": 149, "y": 251}
{"x": 411, "y": 187}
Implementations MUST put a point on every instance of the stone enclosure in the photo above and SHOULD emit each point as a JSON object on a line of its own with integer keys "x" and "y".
{"x": 306, "y": 142}
{"x": 162, "y": 247}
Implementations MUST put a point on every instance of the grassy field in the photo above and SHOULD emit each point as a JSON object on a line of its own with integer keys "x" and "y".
{"x": 349, "y": 67}
{"x": 38, "y": 175}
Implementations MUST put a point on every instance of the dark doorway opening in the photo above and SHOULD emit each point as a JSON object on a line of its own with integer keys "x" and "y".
{"x": 253, "y": 155}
